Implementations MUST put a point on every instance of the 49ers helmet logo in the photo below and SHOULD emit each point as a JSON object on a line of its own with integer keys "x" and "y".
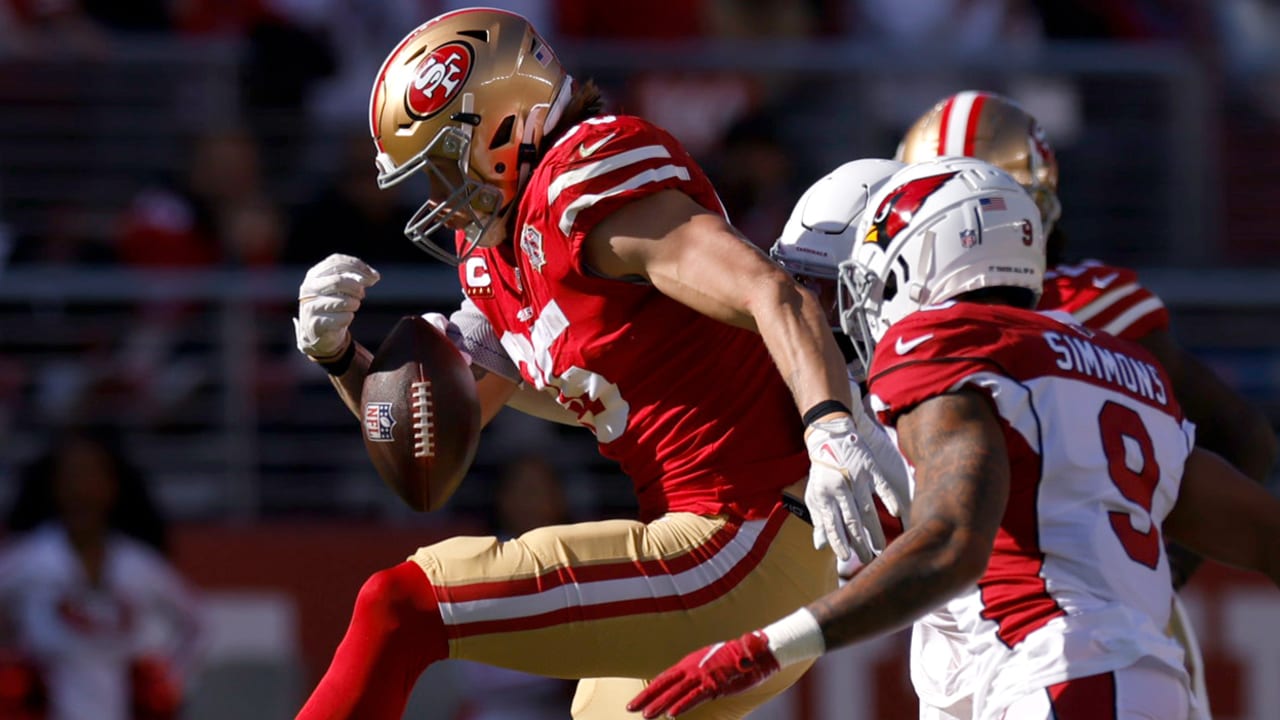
{"x": 899, "y": 206}
{"x": 438, "y": 79}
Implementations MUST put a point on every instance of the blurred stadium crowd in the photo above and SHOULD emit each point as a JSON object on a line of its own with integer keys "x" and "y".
{"x": 169, "y": 168}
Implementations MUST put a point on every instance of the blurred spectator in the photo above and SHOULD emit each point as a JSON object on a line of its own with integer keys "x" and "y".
{"x": 754, "y": 19}
{"x": 219, "y": 212}
{"x": 529, "y": 494}
{"x": 133, "y": 16}
{"x": 755, "y": 176}
{"x": 695, "y": 107}
{"x": 254, "y": 235}
{"x": 632, "y": 19}
{"x": 186, "y": 223}
{"x": 49, "y": 28}
{"x": 223, "y": 18}
{"x": 93, "y": 604}
{"x": 351, "y": 215}
{"x": 946, "y": 27}
{"x": 357, "y": 34}
{"x": 1123, "y": 19}
{"x": 67, "y": 240}
{"x": 946, "y": 31}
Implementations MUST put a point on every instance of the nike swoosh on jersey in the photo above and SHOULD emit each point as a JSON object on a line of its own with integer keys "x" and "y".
{"x": 1102, "y": 282}
{"x": 905, "y": 347}
{"x": 585, "y": 150}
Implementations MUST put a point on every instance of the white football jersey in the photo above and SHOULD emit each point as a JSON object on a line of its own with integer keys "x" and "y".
{"x": 1078, "y": 582}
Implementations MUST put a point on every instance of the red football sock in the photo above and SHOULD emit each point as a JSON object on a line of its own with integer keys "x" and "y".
{"x": 395, "y": 633}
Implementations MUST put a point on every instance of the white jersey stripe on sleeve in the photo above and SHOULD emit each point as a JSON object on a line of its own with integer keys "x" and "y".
{"x": 958, "y": 122}
{"x": 604, "y": 165}
{"x": 1013, "y": 402}
{"x": 643, "y": 178}
{"x": 1087, "y": 312}
{"x": 1132, "y": 315}
{"x": 600, "y": 592}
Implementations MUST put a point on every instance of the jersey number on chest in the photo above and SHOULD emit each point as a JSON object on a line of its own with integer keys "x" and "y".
{"x": 597, "y": 402}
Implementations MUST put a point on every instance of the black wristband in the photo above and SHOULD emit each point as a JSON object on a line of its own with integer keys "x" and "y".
{"x": 343, "y": 363}
{"x": 826, "y": 407}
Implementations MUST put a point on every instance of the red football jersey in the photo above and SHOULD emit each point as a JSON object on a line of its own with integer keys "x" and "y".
{"x": 693, "y": 410}
{"x": 1104, "y": 297}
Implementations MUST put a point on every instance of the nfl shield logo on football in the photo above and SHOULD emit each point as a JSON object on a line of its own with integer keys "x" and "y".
{"x": 968, "y": 238}
{"x": 531, "y": 246}
{"x": 378, "y": 421}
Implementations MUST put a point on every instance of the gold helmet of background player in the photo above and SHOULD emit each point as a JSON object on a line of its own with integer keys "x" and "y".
{"x": 993, "y": 128}
{"x": 467, "y": 97}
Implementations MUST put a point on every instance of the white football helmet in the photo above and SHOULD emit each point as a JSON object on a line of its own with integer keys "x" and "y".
{"x": 940, "y": 228}
{"x": 820, "y": 233}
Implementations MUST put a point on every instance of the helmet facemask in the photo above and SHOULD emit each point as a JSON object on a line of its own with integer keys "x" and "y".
{"x": 458, "y": 199}
{"x": 860, "y": 296}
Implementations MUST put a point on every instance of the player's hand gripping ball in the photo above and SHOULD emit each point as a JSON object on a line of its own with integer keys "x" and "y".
{"x": 421, "y": 414}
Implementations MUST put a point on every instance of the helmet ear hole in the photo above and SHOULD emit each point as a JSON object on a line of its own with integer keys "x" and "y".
{"x": 502, "y": 135}
{"x": 890, "y": 286}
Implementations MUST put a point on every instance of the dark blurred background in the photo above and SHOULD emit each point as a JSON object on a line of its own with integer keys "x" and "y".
{"x": 170, "y": 168}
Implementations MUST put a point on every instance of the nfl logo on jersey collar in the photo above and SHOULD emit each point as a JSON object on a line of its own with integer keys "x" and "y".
{"x": 531, "y": 246}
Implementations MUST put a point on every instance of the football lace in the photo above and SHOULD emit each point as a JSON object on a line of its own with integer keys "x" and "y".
{"x": 423, "y": 420}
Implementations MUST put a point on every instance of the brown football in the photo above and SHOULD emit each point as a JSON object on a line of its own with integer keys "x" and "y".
{"x": 421, "y": 414}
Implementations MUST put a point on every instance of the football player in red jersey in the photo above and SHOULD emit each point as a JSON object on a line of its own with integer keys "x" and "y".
{"x": 596, "y": 251}
{"x": 1103, "y": 297}
{"x": 1047, "y": 460}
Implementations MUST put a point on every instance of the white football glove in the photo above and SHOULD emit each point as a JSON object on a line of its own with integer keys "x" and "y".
{"x": 328, "y": 299}
{"x": 842, "y": 477}
{"x": 846, "y": 569}
{"x": 895, "y": 492}
{"x": 450, "y": 330}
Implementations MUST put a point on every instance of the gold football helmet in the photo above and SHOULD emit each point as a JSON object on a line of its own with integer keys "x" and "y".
{"x": 993, "y": 128}
{"x": 467, "y": 96}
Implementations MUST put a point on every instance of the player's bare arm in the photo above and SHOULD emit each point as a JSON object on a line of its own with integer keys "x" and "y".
{"x": 962, "y": 484}
{"x": 493, "y": 390}
{"x": 350, "y": 382}
{"x": 1224, "y": 516}
{"x": 696, "y": 257}
{"x": 529, "y": 401}
{"x": 1226, "y": 423}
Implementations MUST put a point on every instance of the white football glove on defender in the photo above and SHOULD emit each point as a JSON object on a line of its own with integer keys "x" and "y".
{"x": 328, "y": 299}
{"x": 843, "y": 474}
{"x": 897, "y": 488}
{"x": 450, "y": 330}
{"x": 896, "y": 491}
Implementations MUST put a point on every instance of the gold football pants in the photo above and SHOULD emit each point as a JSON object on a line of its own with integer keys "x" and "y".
{"x": 616, "y": 602}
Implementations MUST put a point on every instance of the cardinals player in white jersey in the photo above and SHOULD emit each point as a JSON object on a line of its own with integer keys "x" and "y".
{"x": 1099, "y": 296}
{"x": 1048, "y": 460}
{"x": 818, "y": 236}
{"x": 595, "y": 249}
